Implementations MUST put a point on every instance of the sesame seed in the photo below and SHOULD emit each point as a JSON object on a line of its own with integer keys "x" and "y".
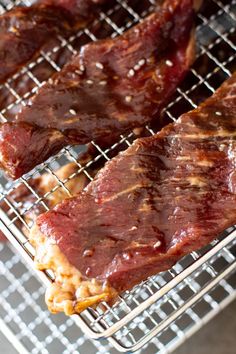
{"x": 88, "y": 270}
{"x": 78, "y": 72}
{"x": 103, "y": 83}
{"x": 133, "y": 228}
{"x": 128, "y": 99}
{"x": 157, "y": 244}
{"x": 82, "y": 68}
{"x": 72, "y": 111}
{"x": 50, "y": 81}
{"x": 88, "y": 253}
{"x": 126, "y": 255}
{"x": 142, "y": 62}
{"x": 131, "y": 73}
{"x": 218, "y": 113}
{"x": 99, "y": 66}
{"x": 169, "y": 63}
{"x": 177, "y": 188}
{"x": 89, "y": 82}
{"x": 221, "y": 147}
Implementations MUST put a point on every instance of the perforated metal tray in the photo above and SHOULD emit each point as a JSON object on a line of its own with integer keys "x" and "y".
{"x": 157, "y": 307}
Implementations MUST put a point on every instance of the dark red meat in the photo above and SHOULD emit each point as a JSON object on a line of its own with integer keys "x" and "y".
{"x": 25, "y": 30}
{"x": 164, "y": 197}
{"x": 112, "y": 86}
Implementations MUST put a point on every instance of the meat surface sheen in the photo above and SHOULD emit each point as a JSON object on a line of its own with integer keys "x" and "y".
{"x": 165, "y": 196}
{"x": 25, "y": 30}
{"x": 112, "y": 86}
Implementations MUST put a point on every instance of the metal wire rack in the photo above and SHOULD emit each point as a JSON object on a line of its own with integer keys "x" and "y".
{"x": 30, "y": 328}
{"x": 172, "y": 304}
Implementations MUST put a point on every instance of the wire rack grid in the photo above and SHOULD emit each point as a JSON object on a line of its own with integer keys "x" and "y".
{"x": 155, "y": 307}
{"x": 30, "y": 328}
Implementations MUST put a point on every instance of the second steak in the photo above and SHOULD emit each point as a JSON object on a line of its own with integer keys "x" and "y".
{"x": 112, "y": 86}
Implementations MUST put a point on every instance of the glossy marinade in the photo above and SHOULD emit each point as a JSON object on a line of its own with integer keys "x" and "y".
{"x": 162, "y": 198}
{"x": 112, "y": 86}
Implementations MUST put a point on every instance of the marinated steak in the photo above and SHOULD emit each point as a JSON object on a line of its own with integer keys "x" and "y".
{"x": 25, "y": 30}
{"x": 165, "y": 196}
{"x": 112, "y": 86}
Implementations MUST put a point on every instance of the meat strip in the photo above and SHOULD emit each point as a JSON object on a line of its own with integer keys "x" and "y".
{"x": 25, "y": 30}
{"x": 112, "y": 86}
{"x": 164, "y": 197}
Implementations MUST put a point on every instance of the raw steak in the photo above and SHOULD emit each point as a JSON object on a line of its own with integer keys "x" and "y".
{"x": 112, "y": 86}
{"x": 162, "y": 198}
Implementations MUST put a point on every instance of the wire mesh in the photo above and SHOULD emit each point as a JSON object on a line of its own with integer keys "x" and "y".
{"x": 159, "y": 300}
{"x": 26, "y": 320}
